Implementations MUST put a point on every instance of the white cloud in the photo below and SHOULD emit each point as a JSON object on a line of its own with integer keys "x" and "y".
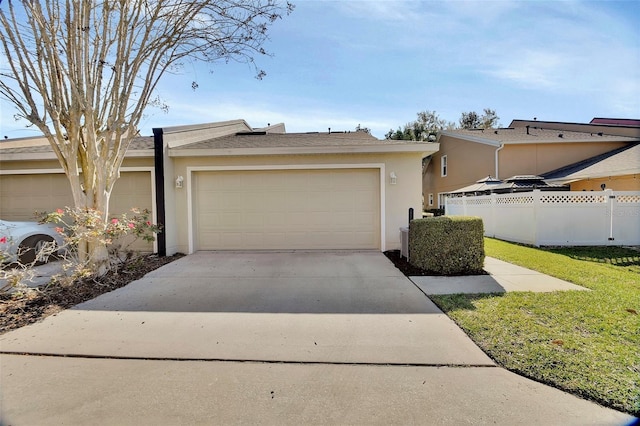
{"x": 531, "y": 69}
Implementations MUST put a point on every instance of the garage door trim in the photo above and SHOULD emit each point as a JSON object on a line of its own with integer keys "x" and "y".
{"x": 193, "y": 169}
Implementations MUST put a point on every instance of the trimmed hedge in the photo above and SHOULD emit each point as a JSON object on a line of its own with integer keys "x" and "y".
{"x": 447, "y": 245}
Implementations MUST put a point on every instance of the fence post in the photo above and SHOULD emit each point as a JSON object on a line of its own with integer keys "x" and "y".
{"x": 610, "y": 199}
{"x": 536, "y": 208}
{"x": 492, "y": 211}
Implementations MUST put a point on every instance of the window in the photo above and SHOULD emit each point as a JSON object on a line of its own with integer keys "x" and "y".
{"x": 431, "y": 200}
{"x": 443, "y": 166}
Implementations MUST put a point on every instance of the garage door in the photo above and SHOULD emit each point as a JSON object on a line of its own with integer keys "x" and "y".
{"x": 287, "y": 209}
{"x": 22, "y": 195}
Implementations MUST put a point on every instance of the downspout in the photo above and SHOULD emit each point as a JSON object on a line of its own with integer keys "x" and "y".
{"x": 158, "y": 156}
{"x": 497, "y": 168}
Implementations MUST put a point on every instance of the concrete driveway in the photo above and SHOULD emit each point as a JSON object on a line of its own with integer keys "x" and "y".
{"x": 268, "y": 338}
{"x": 339, "y": 307}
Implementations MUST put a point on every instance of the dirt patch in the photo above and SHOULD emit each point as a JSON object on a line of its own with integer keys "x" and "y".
{"x": 18, "y": 312}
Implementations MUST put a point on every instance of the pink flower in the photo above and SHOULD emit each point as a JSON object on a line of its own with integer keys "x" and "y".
{"x": 59, "y": 230}
{"x": 114, "y": 221}
{"x": 3, "y": 240}
{"x": 148, "y": 223}
{"x": 59, "y": 211}
{"x": 131, "y": 225}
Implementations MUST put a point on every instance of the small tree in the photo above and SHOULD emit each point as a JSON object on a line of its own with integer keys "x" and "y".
{"x": 83, "y": 72}
{"x": 427, "y": 125}
{"x": 471, "y": 120}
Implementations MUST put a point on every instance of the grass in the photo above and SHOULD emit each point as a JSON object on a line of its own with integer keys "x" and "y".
{"x": 584, "y": 342}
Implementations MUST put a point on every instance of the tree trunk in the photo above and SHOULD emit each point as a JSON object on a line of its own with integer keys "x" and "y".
{"x": 90, "y": 193}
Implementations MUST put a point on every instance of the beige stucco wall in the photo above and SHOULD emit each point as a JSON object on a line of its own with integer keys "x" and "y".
{"x": 616, "y": 183}
{"x": 466, "y": 163}
{"x": 398, "y": 198}
{"x": 536, "y": 159}
{"x": 470, "y": 161}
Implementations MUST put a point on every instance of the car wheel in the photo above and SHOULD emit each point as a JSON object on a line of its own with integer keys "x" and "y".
{"x": 31, "y": 248}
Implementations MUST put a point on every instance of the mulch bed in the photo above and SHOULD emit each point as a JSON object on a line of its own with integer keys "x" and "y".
{"x": 18, "y": 312}
{"x": 413, "y": 271}
{"x": 404, "y": 266}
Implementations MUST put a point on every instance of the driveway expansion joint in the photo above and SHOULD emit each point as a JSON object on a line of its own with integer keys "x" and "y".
{"x": 248, "y": 361}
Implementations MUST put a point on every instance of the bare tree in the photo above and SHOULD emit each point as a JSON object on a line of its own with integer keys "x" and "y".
{"x": 83, "y": 71}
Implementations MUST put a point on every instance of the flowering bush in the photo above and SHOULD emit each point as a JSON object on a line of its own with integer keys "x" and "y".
{"x": 81, "y": 228}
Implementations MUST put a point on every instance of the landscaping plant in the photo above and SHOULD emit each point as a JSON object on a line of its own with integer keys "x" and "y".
{"x": 77, "y": 225}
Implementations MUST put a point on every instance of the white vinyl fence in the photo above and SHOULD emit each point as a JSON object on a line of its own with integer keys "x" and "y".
{"x": 558, "y": 218}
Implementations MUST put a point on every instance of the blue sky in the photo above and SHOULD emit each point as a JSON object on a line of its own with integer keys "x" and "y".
{"x": 338, "y": 64}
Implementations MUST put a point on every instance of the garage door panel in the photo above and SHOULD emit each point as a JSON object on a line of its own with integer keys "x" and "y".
{"x": 287, "y": 209}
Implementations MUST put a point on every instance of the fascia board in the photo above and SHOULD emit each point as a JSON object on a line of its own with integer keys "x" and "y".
{"x": 36, "y": 156}
{"x": 563, "y": 140}
{"x": 28, "y": 156}
{"x": 424, "y": 149}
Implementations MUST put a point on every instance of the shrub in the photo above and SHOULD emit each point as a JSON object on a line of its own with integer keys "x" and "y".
{"x": 447, "y": 245}
{"x": 77, "y": 226}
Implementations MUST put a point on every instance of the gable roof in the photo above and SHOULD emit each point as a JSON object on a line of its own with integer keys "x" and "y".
{"x": 616, "y": 121}
{"x": 234, "y": 137}
{"x": 264, "y": 143}
{"x": 613, "y": 127}
{"x": 40, "y": 149}
{"x": 618, "y": 162}
{"x": 531, "y": 134}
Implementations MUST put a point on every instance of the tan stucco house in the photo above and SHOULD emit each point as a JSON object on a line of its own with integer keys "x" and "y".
{"x": 228, "y": 186}
{"x": 525, "y": 148}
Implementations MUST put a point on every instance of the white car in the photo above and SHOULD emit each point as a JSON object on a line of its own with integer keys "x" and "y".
{"x": 24, "y": 241}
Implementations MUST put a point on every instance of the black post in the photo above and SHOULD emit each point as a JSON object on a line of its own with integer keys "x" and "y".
{"x": 410, "y": 214}
{"x": 158, "y": 154}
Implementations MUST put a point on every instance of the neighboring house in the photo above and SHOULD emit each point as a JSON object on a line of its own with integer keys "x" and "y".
{"x": 228, "y": 186}
{"x": 32, "y": 180}
{"x": 618, "y": 169}
{"x": 525, "y": 148}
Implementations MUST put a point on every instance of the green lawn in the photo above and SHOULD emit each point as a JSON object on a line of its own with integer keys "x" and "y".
{"x": 584, "y": 342}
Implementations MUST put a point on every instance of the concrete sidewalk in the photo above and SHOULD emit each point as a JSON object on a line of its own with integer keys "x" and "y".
{"x": 502, "y": 277}
{"x": 268, "y": 338}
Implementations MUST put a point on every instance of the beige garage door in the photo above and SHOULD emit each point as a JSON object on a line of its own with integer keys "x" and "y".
{"x": 287, "y": 209}
{"x": 22, "y": 195}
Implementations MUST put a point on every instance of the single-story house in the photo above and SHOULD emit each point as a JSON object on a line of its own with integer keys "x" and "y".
{"x": 228, "y": 186}
{"x": 524, "y": 148}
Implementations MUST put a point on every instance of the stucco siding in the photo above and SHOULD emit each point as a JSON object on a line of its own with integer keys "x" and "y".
{"x": 397, "y": 198}
{"x": 616, "y": 183}
{"x": 535, "y": 159}
{"x": 466, "y": 163}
